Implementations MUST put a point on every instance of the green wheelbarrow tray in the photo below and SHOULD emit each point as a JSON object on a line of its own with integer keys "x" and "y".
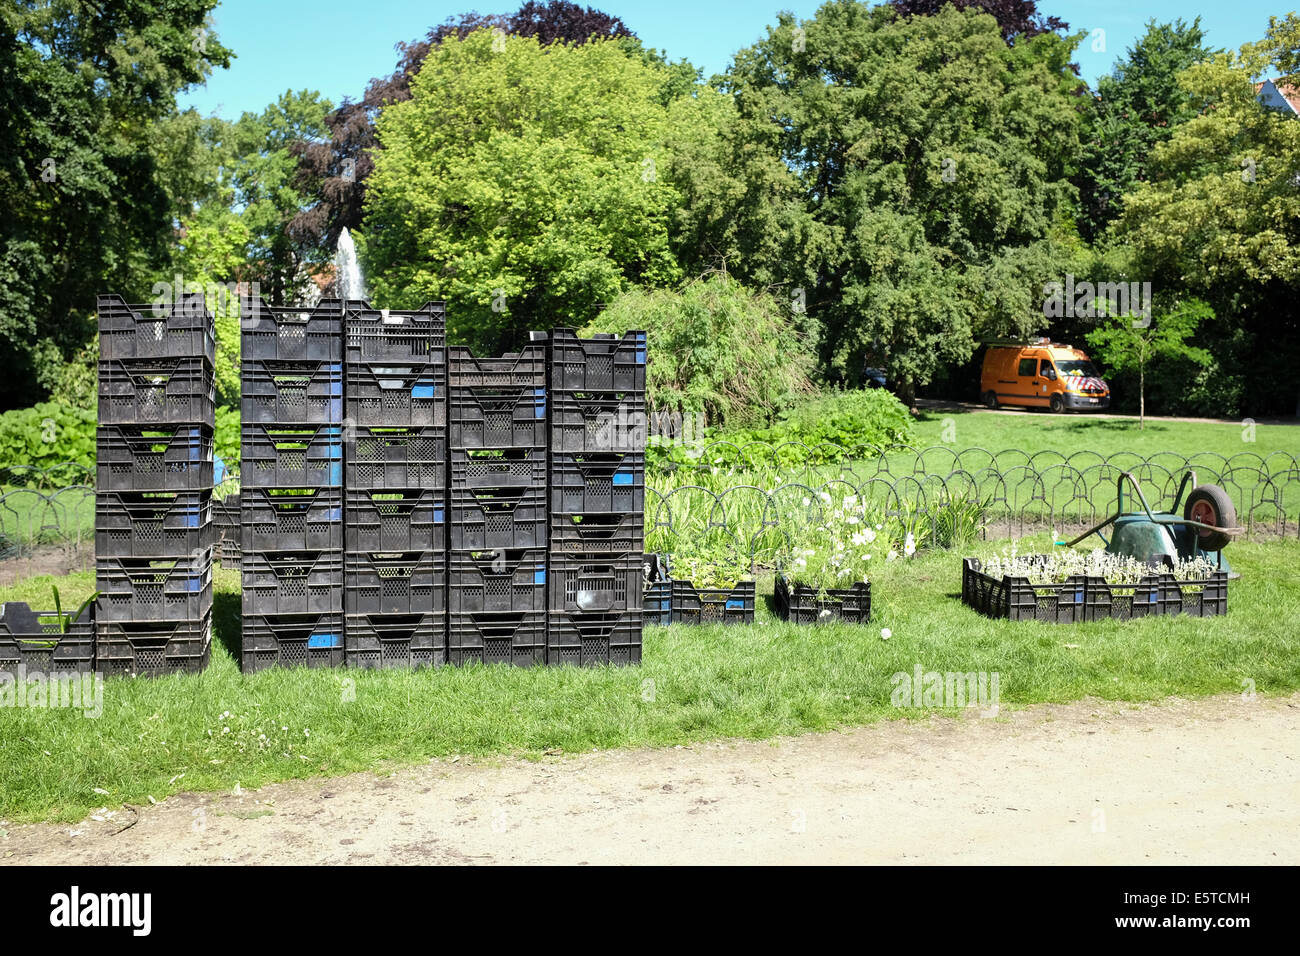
{"x": 1208, "y": 523}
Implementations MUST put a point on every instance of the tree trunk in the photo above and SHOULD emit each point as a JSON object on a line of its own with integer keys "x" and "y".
{"x": 1142, "y": 396}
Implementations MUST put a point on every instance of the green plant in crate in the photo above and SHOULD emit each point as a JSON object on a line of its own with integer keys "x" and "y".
{"x": 1116, "y": 569}
{"x": 716, "y": 566}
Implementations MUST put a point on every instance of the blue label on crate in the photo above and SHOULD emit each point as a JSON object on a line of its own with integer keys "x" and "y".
{"x": 335, "y": 367}
{"x": 539, "y": 576}
{"x": 622, "y": 477}
{"x": 423, "y": 390}
{"x": 640, "y": 356}
{"x": 320, "y": 641}
{"x": 336, "y": 409}
{"x": 334, "y": 514}
{"x": 539, "y": 403}
{"x": 1078, "y": 597}
{"x": 193, "y": 584}
{"x": 735, "y": 604}
{"x": 196, "y": 451}
{"x": 192, "y": 519}
{"x": 438, "y": 516}
{"x": 336, "y": 450}
{"x": 336, "y": 474}
{"x": 1151, "y": 598}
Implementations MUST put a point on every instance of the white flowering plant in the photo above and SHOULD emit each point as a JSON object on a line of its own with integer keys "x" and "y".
{"x": 1056, "y": 566}
{"x": 843, "y": 536}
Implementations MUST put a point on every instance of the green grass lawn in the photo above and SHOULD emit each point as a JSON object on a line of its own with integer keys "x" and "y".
{"x": 1106, "y": 436}
{"x": 221, "y": 728}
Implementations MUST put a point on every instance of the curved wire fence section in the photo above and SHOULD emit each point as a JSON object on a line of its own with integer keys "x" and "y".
{"x": 746, "y": 497}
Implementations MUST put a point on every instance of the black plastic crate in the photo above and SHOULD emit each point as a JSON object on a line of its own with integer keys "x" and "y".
{"x": 154, "y": 589}
{"x": 291, "y": 456}
{"x": 398, "y": 457}
{"x": 498, "y": 468}
{"x": 598, "y": 533}
{"x": 407, "y": 641}
{"x": 291, "y": 333}
{"x": 156, "y": 329}
{"x": 500, "y": 580}
{"x": 290, "y": 519}
{"x": 511, "y": 637}
{"x": 148, "y": 523}
{"x": 291, "y": 640}
{"x": 606, "y": 363}
{"x": 1081, "y": 598}
{"x": 227, "y": 529}
{"x": 395, "y": 582}
{"x": 152, "y": 648}
{"x": 509, "y": 518}
{"x": 297, "y": 392}
{"x": 587, "y": 640}
{"x": 525, "y": 368}
{"x": 598, "y": 481}
{"x": 596, "y": 583}
{"x": 498, "y": 416}
{"x": 802, "y": 605}
{"x": 396, "y": 519}
{"x": 692, "y": 605}
{"x": 157, "y": 391}
{"x": 657, "y": 603}
{"x": 292, "y": 582}
{"x": 598, "y": 422}
{"x": 396, "y": 394}
{"x": 388, "y": 335}
{"x": 153, "y": 458}
{"x": 37, "y": 641}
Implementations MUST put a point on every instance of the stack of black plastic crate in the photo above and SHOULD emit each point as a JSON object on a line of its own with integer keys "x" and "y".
{"x": 291, "y": 484}
{"x": 396, "y": 454}
{"x": 497, "y": 550}
{"x": 597, "y": 496}
{"x": 153, "y": 504}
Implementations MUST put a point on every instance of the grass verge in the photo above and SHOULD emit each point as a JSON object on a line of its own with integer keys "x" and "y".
{"x": 221, "y": 728}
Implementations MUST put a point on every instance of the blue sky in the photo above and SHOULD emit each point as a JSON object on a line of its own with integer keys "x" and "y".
{"x": 335, "y": 46}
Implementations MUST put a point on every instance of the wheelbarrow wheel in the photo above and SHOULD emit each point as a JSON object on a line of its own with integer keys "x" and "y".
{"x": 1210, "y": 504}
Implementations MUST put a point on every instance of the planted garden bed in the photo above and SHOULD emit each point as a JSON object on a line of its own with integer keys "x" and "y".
{"x": 1064, "y": 590}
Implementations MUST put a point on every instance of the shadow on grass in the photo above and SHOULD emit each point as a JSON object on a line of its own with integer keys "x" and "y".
{"x": 227, "y": 621}
{"x": 1103, "y": 424}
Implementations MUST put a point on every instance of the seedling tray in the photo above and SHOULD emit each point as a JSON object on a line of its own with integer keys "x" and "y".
{"x": 151, "y": 331}
{"x": 406, "y": 641}
{"x": 801, "y": 604}
{"x": 1083, "y": 598}
{"x": 36, "y": 641}
{"x": 292, "y": 640}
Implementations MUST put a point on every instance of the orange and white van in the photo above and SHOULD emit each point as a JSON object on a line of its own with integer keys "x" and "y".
{"x": 1043, "y": 374}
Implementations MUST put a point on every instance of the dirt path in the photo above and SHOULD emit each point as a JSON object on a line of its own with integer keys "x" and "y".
{"x": 1210, "y": 781}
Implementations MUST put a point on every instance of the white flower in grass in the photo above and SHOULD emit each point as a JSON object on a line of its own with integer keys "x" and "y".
{"x": 801, "y": 563}
{"x": 852, "y": 519}
{"x": 866, "y": 557}
{"x": 869, "y": 535}
{"x": 824, "y": 496}
{"x": 892, "y": 555}
{"x": 824, "y": 613}
{"x": 886, "y": 633}
{"x": 807, "y": 502}
{"x": 909, "y": 545}
{"x": 850, "y": 500}
{"x": 859, "y": 538}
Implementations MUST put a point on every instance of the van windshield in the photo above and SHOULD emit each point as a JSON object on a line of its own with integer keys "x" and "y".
{"x": 1076, "y": 367}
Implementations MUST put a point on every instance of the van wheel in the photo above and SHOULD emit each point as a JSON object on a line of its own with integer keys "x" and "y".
{"x": 1057, "y": 403}
{"x": 991, "y": 399}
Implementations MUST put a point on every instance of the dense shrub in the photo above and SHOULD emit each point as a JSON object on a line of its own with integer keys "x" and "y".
{"x": 47, "y": 435}
{"x": 845, "y": 419}
{"x": 716, "y": 348}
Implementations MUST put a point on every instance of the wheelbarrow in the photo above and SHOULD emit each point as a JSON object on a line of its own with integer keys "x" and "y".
{"x": 1159, "y": 538}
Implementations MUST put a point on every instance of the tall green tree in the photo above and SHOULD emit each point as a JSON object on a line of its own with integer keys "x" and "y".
{"x": 88, "y": 197}
{"x": 1137, "y": 106}
{"x": 933, "y": 162}
{"x": 522, "y": 183}
{"x": 1124, "y": 344}
{"x": 1219, "y": 218}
